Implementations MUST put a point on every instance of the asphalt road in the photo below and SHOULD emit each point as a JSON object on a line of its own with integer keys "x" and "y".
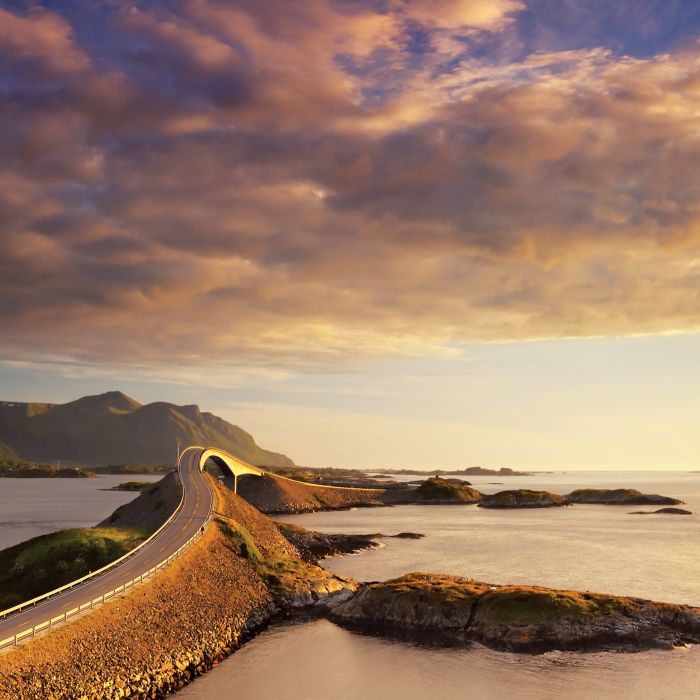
{"x": 195, "y": 509}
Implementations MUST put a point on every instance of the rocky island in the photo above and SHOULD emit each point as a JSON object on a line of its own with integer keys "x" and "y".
{"x": 517, "y": 618}
{"x": 620, "y": 497}
{"x": 246, "y": 570}
{"x": 663, "y": 511}
{"x": 523, "y": 498}
{"x": 20, "y": 469}
{"x": 315, "y": 546}
{"x": 434, "y": 491}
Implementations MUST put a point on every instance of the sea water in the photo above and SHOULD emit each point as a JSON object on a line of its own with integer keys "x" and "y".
{"x": 33, "y": 507}
{"x": 597, "y": 548}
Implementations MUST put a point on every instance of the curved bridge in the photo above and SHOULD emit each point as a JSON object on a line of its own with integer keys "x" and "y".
{"x": 179, "y": 530}
{"x": 226, "y": 462}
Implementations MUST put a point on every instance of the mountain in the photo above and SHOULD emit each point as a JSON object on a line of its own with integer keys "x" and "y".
{"x": 7, "y": 452}
{"x": 113, "y": 428}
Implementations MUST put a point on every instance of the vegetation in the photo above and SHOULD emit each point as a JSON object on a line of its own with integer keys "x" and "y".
{"x": 283, "y": 574}
{"x": 135, "y": 469}
{"x": 319, "y": 474}
{"x": 432, "y": 589}
{"x": 44, "y": 563}
{"x": 440, "y": 601}
{"x": 620, "y": 497}
{"x": 132, "y": 486}
{"x": 20, "y": 469}
{"x": 523, "y": 498}
{"x": 113, "y": 428}
{"x": 526, "y": 605}
{"x": 437, "y": 489}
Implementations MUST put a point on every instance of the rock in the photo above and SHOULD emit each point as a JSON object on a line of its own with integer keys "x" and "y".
{"x": 523, "y": 498}
{"x": 620, "y": 497}
{"x": 314, "y": 546}
{"x": 664, "y": 511}
{"x": 409, "y": 536}
{"x": 517, "y": 618}
{"x": 434, "y": 491}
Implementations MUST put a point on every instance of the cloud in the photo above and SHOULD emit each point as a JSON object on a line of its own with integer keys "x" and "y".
{"x": 41, "y": 39}
{"x": 313, "y": 184}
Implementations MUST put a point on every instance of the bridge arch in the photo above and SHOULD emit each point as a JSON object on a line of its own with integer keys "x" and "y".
{"x": 228, "y": 463}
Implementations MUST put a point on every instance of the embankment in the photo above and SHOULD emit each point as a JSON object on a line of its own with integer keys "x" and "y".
{"x": 272, "y": 494}
{"x": 239, "y": 575}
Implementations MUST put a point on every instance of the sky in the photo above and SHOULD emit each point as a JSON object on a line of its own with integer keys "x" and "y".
{"x": 375, "y": 233}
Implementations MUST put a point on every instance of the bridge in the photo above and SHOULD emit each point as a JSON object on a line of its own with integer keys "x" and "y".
{"x": 181, "y": 529}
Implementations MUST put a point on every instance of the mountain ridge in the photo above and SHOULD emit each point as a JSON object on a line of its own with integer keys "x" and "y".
{"x": 113, "y": 428}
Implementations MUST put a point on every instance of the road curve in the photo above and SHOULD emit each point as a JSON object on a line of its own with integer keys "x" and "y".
{"x": 196, "y": 507}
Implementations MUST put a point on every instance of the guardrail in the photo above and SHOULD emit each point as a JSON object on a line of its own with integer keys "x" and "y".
{"x": 94, "y": 574}
{"x": 63, "y": 617}
{"x": 89, "y": 605}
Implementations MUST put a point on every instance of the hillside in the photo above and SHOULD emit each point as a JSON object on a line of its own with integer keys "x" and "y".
{"x": 113, "y": 428}
{"x": 7, "y": 452}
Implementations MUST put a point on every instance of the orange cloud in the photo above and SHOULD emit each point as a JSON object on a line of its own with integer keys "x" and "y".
{"x": 41, "y": 37}
{"x": 296, "y": 185}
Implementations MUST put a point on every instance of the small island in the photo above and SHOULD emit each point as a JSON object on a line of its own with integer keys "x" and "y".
{"x": 530, "y": 619}
{"x": 435, "y": 491}
{"x": 132, "y": 486}
{"x": 523, "y": 498}
{"x": 19, "y": 469}
{"x": 662, "y": 511}
{"x": 620, "y": 497}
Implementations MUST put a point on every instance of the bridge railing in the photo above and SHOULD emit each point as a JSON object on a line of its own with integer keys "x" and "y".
{"x": 264, "y": 472}
{"x": 94, "y": 602}
{"x": 30, "y": 632}
{"x": 94, "y": 574}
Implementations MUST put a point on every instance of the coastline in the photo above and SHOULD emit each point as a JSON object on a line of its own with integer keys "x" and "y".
{"x": 239, "y": 578}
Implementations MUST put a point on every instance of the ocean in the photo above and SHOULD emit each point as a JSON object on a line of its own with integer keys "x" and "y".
{"x": 597, "y": 548}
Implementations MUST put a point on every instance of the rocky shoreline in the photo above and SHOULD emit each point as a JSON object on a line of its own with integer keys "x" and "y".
{"x": 274, "y": 495}
{"x": 315, "y": 546}
{"x": 525, "y": 619}
{"x": 236, "y": 579}
{"x": 247, "y": 571}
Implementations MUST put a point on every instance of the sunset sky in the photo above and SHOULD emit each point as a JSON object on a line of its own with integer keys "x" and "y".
{"x": 375, "y": 233}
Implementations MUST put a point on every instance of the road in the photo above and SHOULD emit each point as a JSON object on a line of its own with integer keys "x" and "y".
{"x": 196, "y": 507}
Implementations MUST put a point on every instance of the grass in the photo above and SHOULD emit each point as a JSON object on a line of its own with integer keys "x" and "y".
{"x": 19, "y": 469}
{"x": 525, "y": 605}
{"x": 523, "y": 497}
{"x": 433, "y": 589}
{"x": 502, "y": 606}
{"x": 44, "y": 563}
{"x": 279, "y": 572}
{"x": 133, "y": 486}
{"x": 437, "y": 489}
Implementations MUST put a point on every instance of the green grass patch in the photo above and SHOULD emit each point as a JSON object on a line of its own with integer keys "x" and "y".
{"x": 134, "y": 486}
{"x": 519, "y": 605}
{"x": 44, "y": 563}
{"x": 430, "y": 589}
{"x": 241, "y": 540}
{"x": 280, "y": 573}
